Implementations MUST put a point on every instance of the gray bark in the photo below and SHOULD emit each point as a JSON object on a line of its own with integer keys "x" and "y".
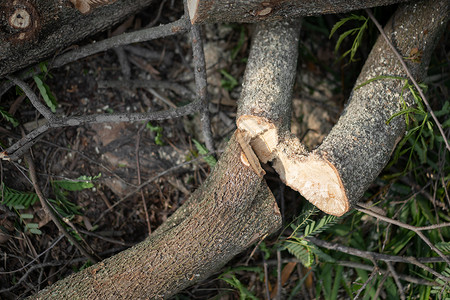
{"x": 250, "y": 11}
{"x": 335, "y": 176}
{"x": 270, "y": 73}
{"x": 31, "y": 31}
{"x": 232, "y": 210}
{"x": 361, "y": 143}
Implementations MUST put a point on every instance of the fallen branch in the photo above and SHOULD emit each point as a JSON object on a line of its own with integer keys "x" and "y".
{"x": 15, "y": 151}
{"x": 46, "y": 26}
{"x": 380, "y": 256}
{"x": 410, "y": 76}
{"x": 416, "y": 230}
{"x": 335, "y": 176}
{"x": 248, "y": 11}
{"x": 50, "y": 212}
{"x": 232, "y": 210}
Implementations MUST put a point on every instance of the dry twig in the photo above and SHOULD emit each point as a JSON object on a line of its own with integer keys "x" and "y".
{"x": 408, "y": 72}
{"x": 415, "y": 229}
{"x": 49, "y": 210}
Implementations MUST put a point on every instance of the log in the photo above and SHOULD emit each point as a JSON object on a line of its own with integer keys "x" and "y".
{"x": 250, "y": 11}
{"x": 335, "y": 176}
{"x": 233, "y": 209}
{"x": 32, "y": 31}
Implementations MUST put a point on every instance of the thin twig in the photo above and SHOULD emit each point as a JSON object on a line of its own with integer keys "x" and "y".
{"x": 142, "y": 83}
{"x": 408, "y": 278}
{"x": 123, "y": 61}
{"x": 405, "y": 67}
{"x": 36, "y": 258}
{"x": 142, "y": 35}
{"x": 33, "y": 98}
{"x": 144, "y": 184}
{"x": 381, "y": 256}
{"x": 16, "y": 150}
{"x": 417, "y": 230}
{"x": 201, "y": 84}
{"x": 39, "y": 266}
{"x": 138, "y": 168}
{"x": 396, "y": 279}
{"x": 49, "y": 210}
{"x": 266, "y": 279}
{"x": 279, "y": 271}
{"x": 372, "y": 275}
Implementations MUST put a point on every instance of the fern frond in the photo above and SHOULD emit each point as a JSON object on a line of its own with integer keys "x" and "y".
{"x": 316, "y": 227}
{"x": 17, "y": 199}
{"x": 8, "y": 117}
{"x": 443, "y": 289}
{"x": 301, "y": 250}
{"x": 444, "y": 247}
{"x": 302, "y": 220}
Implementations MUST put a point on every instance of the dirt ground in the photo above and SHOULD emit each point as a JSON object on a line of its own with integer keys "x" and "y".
{"x": 111, "y": 215}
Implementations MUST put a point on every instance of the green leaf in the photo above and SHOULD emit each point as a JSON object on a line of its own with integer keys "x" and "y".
{"x": 17, "y": 199}
{"x": 202, "y": 150}
{"x": 301, "y": 251}
{"x": 74, "y": 185}
{"x": 8, "y": 117}
{"x": 158, "y": 130}
{"x": 359, "y": 31}
{"x": 27, "y": 216}
{"x": 229, "y": 82}
{"x": 314, "y": 227}
{"x": 337, "y": 282}
{"x": 444, "y": 247}
{"x": 46, "y": 94}
{"x": 35, "y": 231}
{"x": 82, "y": 182}
{"x": 302, "y": 220}
{"x": 343, "y": 36}
{"x": 343, "y": 21}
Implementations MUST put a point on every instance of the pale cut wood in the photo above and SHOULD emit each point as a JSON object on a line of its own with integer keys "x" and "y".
{"x": 315, "y": 178}
{"x": 335, "y": 176}
{"x": 249, "y": 11}
{"x": 32, "y": 31}
{"x": 233, "y": 209}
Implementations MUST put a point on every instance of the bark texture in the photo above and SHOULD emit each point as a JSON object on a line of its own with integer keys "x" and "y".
{"x": 360, "y": 145}
{"x": 270, "y": 73}
{"x": 232, "y": 210}
{"x": 32, "y": 30}
{"x": 249, "y": 11}
{"x": 335, "y": 176}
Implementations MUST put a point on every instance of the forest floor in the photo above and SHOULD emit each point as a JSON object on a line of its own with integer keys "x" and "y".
{"x": 109, "y": 211}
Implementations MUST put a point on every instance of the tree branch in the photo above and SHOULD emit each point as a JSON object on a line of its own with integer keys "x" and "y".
{"x": 15, "y": 151}
{"x": 416, "y": 230}
{"x": 410, "y": 76}
{"x": 335, "y": 175}
{"x": 249, "y": 11}
{"x": 201, "y": 84}
{"x": 49, "y": 211}
{"x": 379, "y": 256}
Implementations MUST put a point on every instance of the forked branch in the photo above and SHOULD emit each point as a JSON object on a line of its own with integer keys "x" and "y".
{"x": 336, "y": 174}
